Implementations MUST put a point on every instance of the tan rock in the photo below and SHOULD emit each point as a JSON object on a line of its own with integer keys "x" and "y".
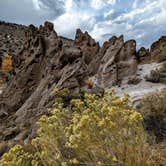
{"x": 158, "y": 50}
{"x": 143, "y": 55}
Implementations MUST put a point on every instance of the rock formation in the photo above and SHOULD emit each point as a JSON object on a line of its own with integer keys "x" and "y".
{"x": 11, "y": 38}
{"x": 45, "y": 61}
{"x": 118, "y": 61}
{"x": 143, "y": 55}
{"x": 158, "y": 50}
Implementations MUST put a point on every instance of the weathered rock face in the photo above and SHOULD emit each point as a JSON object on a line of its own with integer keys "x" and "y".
{"x": 11, "y": 37}
{"x": 47, "y": 61}
{"x": 90, "y": 49}
{"x": 126, "y": 60}
{"x": 108, "y": 68}
{"x": 36, "y": 69}
{"x": 119, "y": 61}
{"x": 156, "y": 53}
{"x": 158, "y": 50}
{"x": 143, "y": 55}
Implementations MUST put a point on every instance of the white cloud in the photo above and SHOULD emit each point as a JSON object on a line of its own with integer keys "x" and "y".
{"x": 23, "y": 12}
{"x": 140, "y": 12}
{"x": 67, "y": 23}
{"x": 36, "y": 4}
{"x": 50, "y": 7}
{"x": 68, "y": 5}
{"x": 135, "y": 4}
{"x": 145, "y": 22}
{"x": 112, "y": 14}
{"x": 98, "y": 4}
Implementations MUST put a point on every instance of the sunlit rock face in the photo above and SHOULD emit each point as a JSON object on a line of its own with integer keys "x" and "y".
{"x": 158, "y": 50}
{"x": 118, "y": 61}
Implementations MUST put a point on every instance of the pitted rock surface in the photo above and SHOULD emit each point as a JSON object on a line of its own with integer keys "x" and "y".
{"x": 118, "y": 61}
{"x": 143, "y": 55}
{"x": 158, "y": 50}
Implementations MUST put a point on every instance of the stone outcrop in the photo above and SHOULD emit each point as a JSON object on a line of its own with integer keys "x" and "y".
{"x": 155, "y": 54}
{"x": 118, "y": 61}
{"x": 46, "y": 61}
{"x": 158, "y": 50}
{"x": 143, "y": 55}
{"x": 11, "y": 38}
{"x": 90, "y": 49}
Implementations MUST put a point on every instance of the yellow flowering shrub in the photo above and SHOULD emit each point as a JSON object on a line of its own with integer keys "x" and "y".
{"x": 92, "y": 131}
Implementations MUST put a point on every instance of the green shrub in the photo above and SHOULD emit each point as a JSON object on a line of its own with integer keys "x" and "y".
{"x": 94, "y": 131}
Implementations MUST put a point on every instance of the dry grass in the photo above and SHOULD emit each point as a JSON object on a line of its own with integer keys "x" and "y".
{"x": 89, "y": 84}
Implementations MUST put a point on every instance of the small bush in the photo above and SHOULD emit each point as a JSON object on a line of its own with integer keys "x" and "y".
{"x": 154, "y": 113}
{"x": 94, "y": 131}
{"x": 134, "y": 80}
{"x": 89, "y": 84}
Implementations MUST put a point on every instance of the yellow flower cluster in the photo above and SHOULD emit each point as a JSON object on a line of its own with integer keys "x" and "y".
{"x": 61, "y": 93}
{"x": 93, "y": 131}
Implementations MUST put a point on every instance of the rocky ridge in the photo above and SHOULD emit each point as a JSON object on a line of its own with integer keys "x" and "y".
{"x": 45, "y": 61}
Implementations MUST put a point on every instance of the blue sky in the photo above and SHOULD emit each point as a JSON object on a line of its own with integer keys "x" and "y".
{"x": 143, "y": 20}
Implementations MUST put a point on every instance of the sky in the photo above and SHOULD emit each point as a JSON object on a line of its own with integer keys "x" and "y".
{"x": 142, "y": 20}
